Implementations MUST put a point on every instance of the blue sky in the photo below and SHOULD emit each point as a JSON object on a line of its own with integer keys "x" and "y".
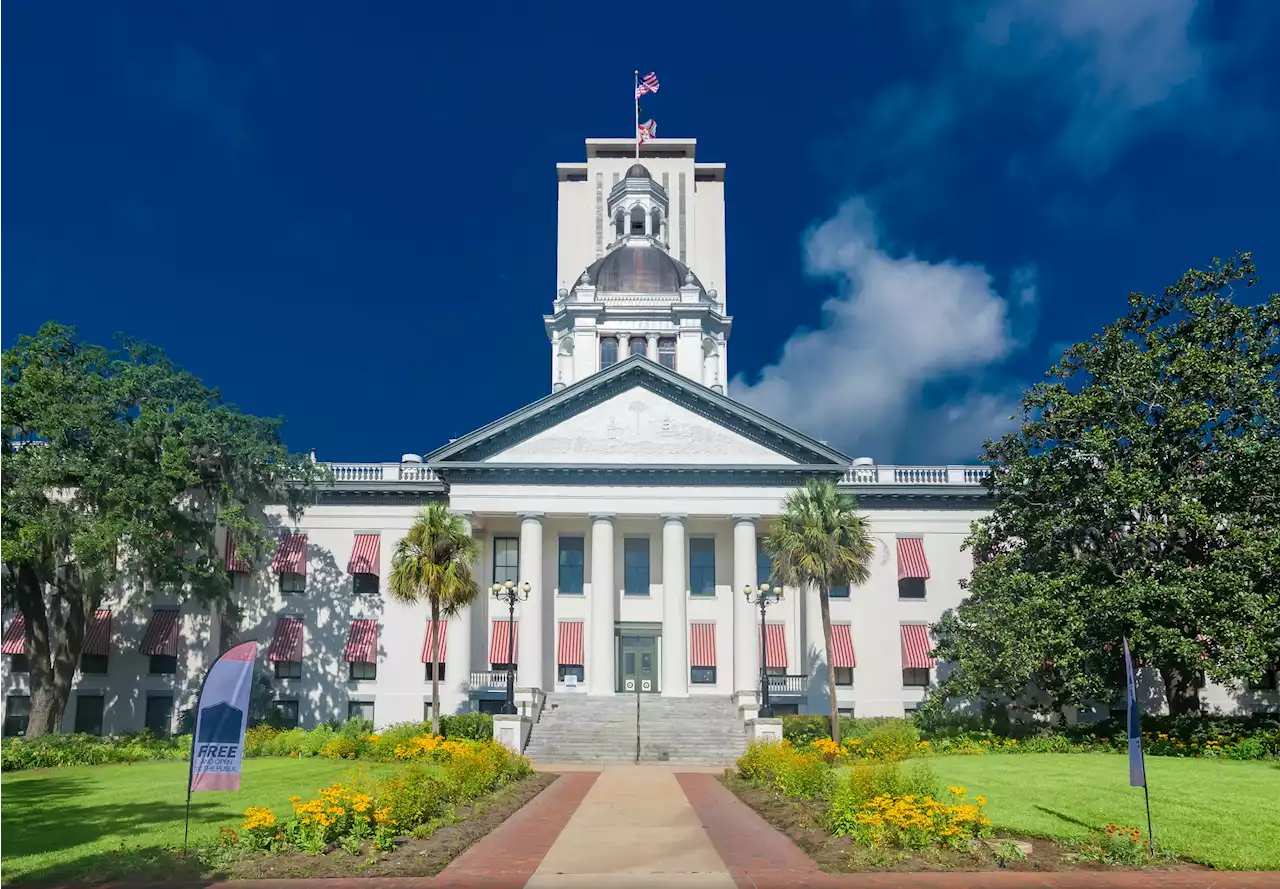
{"x": 345, "y": 214}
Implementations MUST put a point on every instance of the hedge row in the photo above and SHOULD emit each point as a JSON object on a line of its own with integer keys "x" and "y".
{"x": 353, "y": 739}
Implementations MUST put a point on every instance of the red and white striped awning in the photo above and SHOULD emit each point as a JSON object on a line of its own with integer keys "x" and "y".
{"x": 911, "y": 560}
{"x": 915, "y": 647}
{"x": 842, "y": 646}
{"x": 234, "y": 563}
{"x": 775, "y": 645}
{"x": 498, "y": 642}
{"x": 570, "y": 643}
{"x": 15, "y": 636}
{"x": 286, "y": 644}
{"x": 702, "y": 645}
{"x": 365, "y": 554}
{"x": 291, "y": 555}
{"x": 161, "y": 637}
{"x": 362, "y": 642}
{"x": 442, "y": 636}
{"x": 97, "y": 639}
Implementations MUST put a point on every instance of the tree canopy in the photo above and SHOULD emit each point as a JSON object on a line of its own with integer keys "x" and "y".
{"x": 118, "y": 468}
{"x": 1139, "y": 498}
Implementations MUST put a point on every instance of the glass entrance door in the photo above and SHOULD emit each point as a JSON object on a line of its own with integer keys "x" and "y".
{"x": 638, "y": 670}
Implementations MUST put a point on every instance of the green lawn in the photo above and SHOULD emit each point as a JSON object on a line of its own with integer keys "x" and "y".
{"x": 1217, "y": 812}
{"x": 87, "y": 821}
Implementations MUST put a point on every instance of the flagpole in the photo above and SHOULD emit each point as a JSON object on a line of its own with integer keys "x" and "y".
{"x": 637, "y": 95}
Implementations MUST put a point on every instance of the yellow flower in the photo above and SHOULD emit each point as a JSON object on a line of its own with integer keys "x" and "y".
{"x": 980, "y": 800}
{"x": 955, "y": 790}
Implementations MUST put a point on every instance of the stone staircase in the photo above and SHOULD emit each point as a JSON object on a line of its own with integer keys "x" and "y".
{"x": 581, "y": 729}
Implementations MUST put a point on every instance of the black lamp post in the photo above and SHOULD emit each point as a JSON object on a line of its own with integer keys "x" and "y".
{"x": 763, "y": 596}
{"x": 510, "y": 593}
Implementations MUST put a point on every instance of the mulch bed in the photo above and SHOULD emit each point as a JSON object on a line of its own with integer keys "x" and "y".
{"x": 802, "y": 821}
{"x": 424, "y": 857}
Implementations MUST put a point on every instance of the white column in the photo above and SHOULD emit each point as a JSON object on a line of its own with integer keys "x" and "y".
{"x": 530, "y": 641}
{"x": 455, "y": 692}
{"x": 604, "y": 591}
{"x": 651, "y": 347}
{"x": 675, "y": 622}
{"x": 624, "y": 346}
{"x": 746, "y": 648}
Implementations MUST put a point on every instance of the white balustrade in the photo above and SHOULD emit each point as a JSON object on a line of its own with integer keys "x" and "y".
{"x": 915, "y": 475}
{"x": 381, "y": 472}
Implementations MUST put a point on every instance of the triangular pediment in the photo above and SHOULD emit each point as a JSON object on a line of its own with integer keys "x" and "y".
{"x": 633, "y": 414}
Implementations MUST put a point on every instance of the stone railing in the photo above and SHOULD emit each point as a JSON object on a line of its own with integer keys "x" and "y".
{"x": 364, "y": 473}
{"x": 488, "y": 679}
{"x": 915, "y": 475}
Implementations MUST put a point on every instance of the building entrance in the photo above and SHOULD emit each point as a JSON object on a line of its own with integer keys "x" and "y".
{"x": 638, "y": 664}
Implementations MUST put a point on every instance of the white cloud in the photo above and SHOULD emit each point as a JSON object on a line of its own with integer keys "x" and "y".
{"x": 897, "y": 325}
{"x": 1113, "y": 67}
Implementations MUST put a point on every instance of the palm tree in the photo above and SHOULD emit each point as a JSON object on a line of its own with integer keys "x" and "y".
{"x": 820, "y": 539}
{"x": 433, "y": 562}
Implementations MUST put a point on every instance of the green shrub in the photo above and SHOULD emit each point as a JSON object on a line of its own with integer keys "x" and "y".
{"x": 892, "y": 740}
{"x": 414, "y": 796}
{"x": 467, "y": 726}
{"x": 53, "y": 751}
{"x": 865, "y": 780}
{"x": 804, "y": 729}
{"x": 780, "y": 766}
{"x": 258, "y": 740}
{"x": 356, "y": 727}
{"x": 339, "y": 748}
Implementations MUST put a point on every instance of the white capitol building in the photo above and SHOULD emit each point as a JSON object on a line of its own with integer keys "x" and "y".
{"x": 632, "y": 499}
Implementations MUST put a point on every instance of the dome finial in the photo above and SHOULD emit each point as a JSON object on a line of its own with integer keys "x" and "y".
{"x": 638, "y": 171}
{"x": 688, "y": 278}
{"x": 585, "y": 280}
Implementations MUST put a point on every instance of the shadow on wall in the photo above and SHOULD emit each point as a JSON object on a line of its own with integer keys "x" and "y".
{"x": 323, "y": 690}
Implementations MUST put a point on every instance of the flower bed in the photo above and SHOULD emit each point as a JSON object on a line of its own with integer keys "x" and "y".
{"x": 438, "y": 775}
{"x": 354, "y": 739}
{"x": 855, "y": 808}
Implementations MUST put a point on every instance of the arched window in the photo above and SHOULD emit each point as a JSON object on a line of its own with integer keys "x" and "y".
{"x": 608, "y": 351}
{"x": 620, "y": 224}
{"x": 637, "y": 220}
{"x": 637, "y": 345}
{"x": 655, "y": 223}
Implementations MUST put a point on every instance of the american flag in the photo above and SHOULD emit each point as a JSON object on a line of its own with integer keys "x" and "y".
{"x": 648, "y": 130}
{"x": 648, "y": 84}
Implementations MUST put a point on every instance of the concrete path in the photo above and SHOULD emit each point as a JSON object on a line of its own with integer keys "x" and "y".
{"x": 634, "y": 827}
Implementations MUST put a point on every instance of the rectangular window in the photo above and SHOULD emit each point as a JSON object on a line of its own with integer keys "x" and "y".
{"x": 360, "y": 710}
{"x": 286, "y": 713}
{"x": 17, "y": 712}
{"x": 364, "y": 584}
{"x": 846, "y": 711}
{"x": 430, "y": 672}
{"x": 911, "y": 588}
{"x": 608, "y": 352}
{"x": 764, "y": 564}
{"x": 89, "y": 714}
{"x": 288, "y": 669}
{"x": 844, "y": 675}
{"x": 159, "y": 718}
{"x": 913, "y": 677}
{"x": 571, "y": 562}
{"x": 839, "y": 592}
{"x": 775, "y": 671}
{"x": 667, "y": 351}
{"x": 501, "y": 668}
{"x": 488, "y": 705}
{"x": 293, "y": 584}
{"x": 506, "y": 559}
{"x": 163, "y": 665}
{"x": 18, "y": 663}
{"x": 635, "y": 557}
{"x": 702, "y": 566}
{"x": 571, "y": 670}
{"x": 636, "y": 345}
{"x": 786, "y": 709}
{"x": 702, "y": 675}
{"x": 93, "y": 664}
{"x": 361, "y": 670}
